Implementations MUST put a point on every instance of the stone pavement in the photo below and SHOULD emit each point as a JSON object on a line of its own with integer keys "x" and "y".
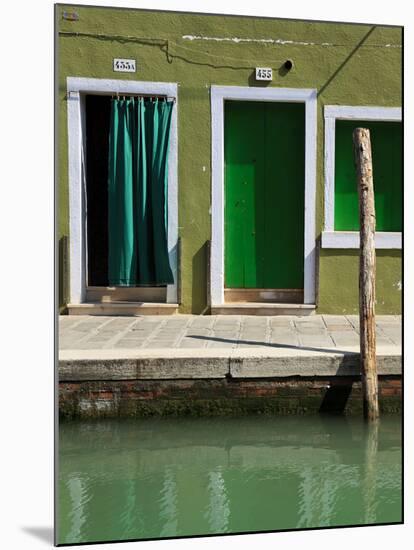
{"x": 218, "y": 347}
{"x": 83, "y": 336}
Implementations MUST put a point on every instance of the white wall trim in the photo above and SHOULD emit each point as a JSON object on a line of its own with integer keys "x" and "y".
{"x": 218, "y": 95}
{"x": 76, "y": 87}
{"x": 345, "y": 112}
{"x": 76, "y": 212}
{"x": 310, "y": 197}
{"x": 112, "y": 85}
{"x": 329, "y": 192}
{"x": 350, "y": 239}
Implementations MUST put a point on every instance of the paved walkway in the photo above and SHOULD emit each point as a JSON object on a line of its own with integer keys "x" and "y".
{"x": 190, "y": 346}
{"x": 163, "y": 335}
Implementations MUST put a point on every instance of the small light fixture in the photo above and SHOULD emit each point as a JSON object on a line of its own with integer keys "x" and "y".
{"x": 70, "y": 16}
{"x": 288, "y": 64}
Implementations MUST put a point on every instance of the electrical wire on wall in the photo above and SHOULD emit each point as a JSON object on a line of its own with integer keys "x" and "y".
{"x": 171, "y": 48}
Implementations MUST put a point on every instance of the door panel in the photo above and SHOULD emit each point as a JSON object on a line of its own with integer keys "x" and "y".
{"x": 264, "y": 194}
{"x": 244, "y": 161}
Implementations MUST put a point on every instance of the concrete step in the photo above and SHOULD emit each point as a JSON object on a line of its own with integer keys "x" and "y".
{"x": 259, "y": 308}
{"x": 123, "y": 308}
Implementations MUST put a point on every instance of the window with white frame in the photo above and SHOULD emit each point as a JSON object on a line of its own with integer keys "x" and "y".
{"x": 341, "y": 228}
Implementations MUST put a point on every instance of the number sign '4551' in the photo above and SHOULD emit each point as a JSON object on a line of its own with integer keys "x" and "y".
{"x": 263, "y": 73}
{"x": 125, "y": 65}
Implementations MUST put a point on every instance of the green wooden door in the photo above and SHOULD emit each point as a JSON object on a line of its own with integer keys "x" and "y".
{"x": 264, "y": 149}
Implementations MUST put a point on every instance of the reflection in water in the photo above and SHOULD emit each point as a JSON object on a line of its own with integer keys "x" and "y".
{"x": 156, "y": 478}
{"x": 370, "y": 471}
{"x": 168, "y": 505}
{"x": 218, "y": 507}
{"x": 78, "y": 517}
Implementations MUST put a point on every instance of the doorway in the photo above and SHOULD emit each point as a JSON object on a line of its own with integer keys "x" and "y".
{"x": 78, "y": 88}
{"x": 302, "y": 103}
{"x": 105, "y": 199}
{"x": 264, "y": 179}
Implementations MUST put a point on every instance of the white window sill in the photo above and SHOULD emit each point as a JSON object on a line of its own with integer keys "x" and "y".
{"x": 350, "y": 239}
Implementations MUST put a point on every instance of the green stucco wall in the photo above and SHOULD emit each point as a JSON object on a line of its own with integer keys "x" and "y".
{"x": 338, "y": 277}
{"x": 358, "y": 68}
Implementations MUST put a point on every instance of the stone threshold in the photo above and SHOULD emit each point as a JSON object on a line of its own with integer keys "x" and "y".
{"x": 122, "y": 308}
{"x": 263, "y": 308}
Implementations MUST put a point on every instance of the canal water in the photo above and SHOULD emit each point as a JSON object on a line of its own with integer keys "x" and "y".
{"x": 153, "y": 478}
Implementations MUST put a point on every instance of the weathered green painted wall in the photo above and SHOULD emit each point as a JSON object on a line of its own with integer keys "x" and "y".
{"x": 339, "y": 282}
{"x": 360, "y": 68}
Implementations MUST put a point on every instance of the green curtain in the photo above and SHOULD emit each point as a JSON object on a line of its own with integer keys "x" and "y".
{"x": 138, "y": 192}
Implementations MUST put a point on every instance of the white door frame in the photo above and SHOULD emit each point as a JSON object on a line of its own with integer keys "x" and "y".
{"x": 299, "y": 95}
{"x": 76, "y": 89}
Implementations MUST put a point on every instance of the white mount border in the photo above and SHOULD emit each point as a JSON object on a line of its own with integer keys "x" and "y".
{"x": 218, "y": 95}
{"x": 76, "y": 88}
{"x": 350, "y": 239}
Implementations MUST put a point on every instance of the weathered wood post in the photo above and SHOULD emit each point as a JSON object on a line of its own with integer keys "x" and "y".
{"x": 363, "y": 162}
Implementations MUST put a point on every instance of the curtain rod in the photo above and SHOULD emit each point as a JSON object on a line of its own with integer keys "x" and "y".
{"x": 147, "y": 96}
{"x": 120, "y": 94}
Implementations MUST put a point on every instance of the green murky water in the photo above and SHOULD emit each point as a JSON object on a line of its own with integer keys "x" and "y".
{"x": 174, "y": 477}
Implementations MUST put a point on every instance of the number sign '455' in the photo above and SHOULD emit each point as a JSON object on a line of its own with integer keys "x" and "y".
{"x": 263, "y": 73}
{"x": 125, "y": 65}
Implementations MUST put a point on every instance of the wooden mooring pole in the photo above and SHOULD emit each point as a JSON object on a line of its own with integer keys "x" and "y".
{"x": 363, "y": 162}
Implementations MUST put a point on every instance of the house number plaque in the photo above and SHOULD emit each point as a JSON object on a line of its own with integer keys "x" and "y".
{"x": 264, "y": 73}
{"x": 125, "y": 65}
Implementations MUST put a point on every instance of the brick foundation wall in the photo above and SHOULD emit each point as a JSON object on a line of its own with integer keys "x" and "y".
{"x": 293, "y": 395}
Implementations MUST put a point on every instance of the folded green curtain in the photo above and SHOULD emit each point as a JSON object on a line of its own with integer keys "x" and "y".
{"x": 138, "y": 192}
